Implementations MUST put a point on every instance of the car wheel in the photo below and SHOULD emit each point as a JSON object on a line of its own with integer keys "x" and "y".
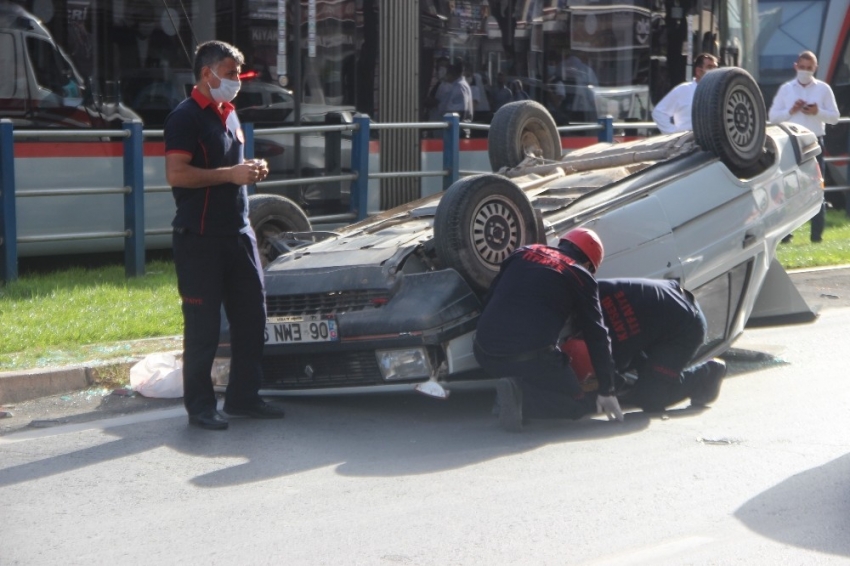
{"x": 479, "y": 222}
{"x": 272, "y": 216}
{"x": 728, "y": 116}
{"x": 519, "y": 128}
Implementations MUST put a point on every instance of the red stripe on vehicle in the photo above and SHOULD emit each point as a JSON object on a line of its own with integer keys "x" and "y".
{"x": 24, "y": 149}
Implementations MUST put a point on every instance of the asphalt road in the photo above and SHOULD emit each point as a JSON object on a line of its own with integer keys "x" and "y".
{"x": 759, "y": 478}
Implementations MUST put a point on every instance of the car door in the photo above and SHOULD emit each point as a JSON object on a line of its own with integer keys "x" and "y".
{"x": 715, "y": 220}
{"x": 638, "y": 241}
{"x": 718, "y": 232}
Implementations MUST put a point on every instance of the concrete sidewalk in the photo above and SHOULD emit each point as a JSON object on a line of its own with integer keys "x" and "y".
{"x": 820, "y": 287}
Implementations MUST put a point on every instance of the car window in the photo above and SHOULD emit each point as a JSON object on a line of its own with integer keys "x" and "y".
{"x": 279, "y": 97}
{"x": 48, "y": 72}
{"x": 249, "y": 99}
{"x": 8, "y": 68}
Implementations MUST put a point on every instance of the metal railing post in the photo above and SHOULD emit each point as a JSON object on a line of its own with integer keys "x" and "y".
{"x": 360, "y": 166}
{"x": 8, "y": 216}
{"x": 248, "y": 132}
{"x": 606, "y": 134}
{"x": 333, "y": 150}
{"x": 134, "y": 201}
{"x": 451, "y": 150}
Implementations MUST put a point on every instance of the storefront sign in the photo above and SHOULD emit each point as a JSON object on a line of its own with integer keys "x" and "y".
{"x": 609, "y": 30}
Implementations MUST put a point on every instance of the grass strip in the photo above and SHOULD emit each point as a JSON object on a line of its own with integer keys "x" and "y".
{"x": 54, "y": 318}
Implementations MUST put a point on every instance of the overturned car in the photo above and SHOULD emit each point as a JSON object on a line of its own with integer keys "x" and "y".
{"x": 392, "y": 302}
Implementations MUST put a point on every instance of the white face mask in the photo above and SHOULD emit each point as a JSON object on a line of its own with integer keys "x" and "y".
{"x": 805, "y": 77}
{"x": 441, "y": 73}
{"x": 226, "y": 91}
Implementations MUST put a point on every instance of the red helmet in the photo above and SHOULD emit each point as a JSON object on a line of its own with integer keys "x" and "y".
{"x": 579, "y": 359}
{"x": 588, "y": 242}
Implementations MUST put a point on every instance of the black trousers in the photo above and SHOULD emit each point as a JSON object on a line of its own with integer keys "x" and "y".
{"x": 654, "y": 394}
{"x": 663, "y": 379}
{"x": 213, "y": 271}
{"x": 550, "y": 388}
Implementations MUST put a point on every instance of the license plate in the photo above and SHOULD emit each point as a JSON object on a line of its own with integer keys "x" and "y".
{"x": 300, "y": 329}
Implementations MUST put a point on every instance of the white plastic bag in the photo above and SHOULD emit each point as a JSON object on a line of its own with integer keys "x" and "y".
{"x": 158, "y": 375}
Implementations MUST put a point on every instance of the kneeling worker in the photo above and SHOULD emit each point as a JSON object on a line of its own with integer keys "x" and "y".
{"x": 537, "y": 289}
{"x": 656, "y": 328}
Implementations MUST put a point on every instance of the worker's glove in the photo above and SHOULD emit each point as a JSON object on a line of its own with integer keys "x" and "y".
{"x": 609, "y": 405}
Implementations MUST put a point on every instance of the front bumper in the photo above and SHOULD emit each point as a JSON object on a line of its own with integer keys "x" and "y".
{"x": 433, "y": 312}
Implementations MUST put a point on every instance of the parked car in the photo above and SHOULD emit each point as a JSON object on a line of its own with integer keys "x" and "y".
{"x": 268, "y": 105}
{"x": 155, "y": 93}
{"x": 391, "y": 303}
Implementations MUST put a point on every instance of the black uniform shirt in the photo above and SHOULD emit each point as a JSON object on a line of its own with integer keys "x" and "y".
{"x": 640, "y": 312}
{"x": 538, "y": 288}
{"x": 213, "y": 139}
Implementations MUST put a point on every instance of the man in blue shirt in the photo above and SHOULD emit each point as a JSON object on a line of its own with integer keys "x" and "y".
{"x": 215, "y": 249}
{"x": 656, "y": 328}
{"x": 538, "y": 289}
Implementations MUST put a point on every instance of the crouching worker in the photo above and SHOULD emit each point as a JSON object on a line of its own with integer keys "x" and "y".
{"x": 537, "y": 289}
{"x": 656, "y": 328}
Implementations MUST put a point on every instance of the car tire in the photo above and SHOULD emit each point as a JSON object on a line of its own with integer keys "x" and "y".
{"x": 271, "y": 216}
{"x": 728, "y": 117}
{"x": 479, "y": 221}
{"x": 519, "y": 128}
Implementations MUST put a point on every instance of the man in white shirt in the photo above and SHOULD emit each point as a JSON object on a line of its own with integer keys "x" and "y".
{"x": 673, "y": 113}
{"x": 810, "y": 103}
{"x": 459, "y": 98}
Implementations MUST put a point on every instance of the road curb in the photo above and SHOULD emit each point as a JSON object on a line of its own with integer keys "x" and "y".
{"x": 16, "y": 387}
{"x": 26, "y": 385}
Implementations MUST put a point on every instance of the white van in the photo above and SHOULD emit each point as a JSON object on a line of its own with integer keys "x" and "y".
{"x": 41, "y": 88}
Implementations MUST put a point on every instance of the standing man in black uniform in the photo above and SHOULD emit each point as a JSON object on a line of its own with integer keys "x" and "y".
{"x": 215, "y": 249}
{"x": 656, "y": 328}
{"x": 537, "y": 290}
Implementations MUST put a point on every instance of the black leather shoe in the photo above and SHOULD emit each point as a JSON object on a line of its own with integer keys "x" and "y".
{"x": 259, "y": 410}
{"x": 709, "y": 385}
{"x": 210, "y": 420}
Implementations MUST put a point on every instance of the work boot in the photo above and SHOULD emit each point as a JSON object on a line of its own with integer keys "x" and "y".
{"x": 509, "y": 397}
{"x": 708, "y": 387}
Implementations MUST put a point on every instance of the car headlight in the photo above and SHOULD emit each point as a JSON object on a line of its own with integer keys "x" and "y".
{"x": 404, "y": 364}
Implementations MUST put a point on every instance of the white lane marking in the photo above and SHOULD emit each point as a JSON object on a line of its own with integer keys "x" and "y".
{"x": 652, "y": 554}
{"x": 93, "y": 425}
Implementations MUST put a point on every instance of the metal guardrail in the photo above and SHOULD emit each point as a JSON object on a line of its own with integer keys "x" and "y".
{"x": 133, "y": 190}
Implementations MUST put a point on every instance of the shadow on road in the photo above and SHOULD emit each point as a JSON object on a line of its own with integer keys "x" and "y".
{"x": 369, "y": 436}
{"x": 810, "y": 510}
{"x": 372, "y": 435}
